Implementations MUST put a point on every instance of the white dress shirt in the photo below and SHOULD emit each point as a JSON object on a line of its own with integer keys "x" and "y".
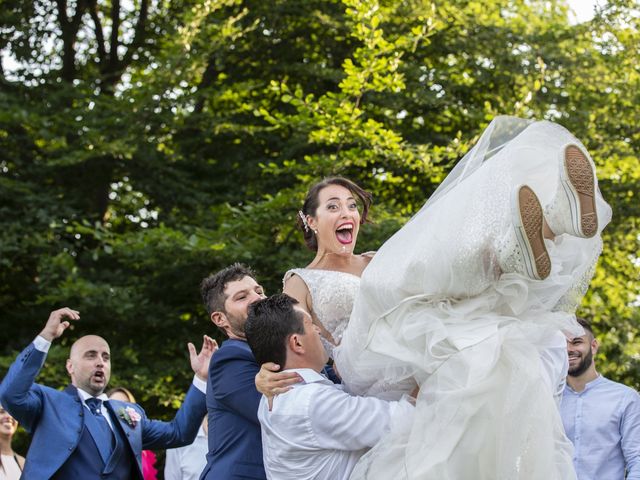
{"x": 187, "y": 463}
{"x": 318, "y": 431}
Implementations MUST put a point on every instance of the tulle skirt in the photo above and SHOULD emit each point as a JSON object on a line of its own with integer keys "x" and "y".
{"x": 484, "y": 347}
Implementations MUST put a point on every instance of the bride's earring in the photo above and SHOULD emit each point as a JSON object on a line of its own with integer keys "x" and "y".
{"x": 303, "y": 217}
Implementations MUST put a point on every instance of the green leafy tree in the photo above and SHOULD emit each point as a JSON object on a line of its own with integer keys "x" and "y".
{"x": 146, "y": 144}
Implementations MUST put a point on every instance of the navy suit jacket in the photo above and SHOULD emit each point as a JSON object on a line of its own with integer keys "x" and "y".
{"x": 235, "y": 442}
{"x": 56, "y": 419}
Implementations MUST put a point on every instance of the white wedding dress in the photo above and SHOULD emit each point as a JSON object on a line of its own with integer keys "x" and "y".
{"x": 432, "y": 308}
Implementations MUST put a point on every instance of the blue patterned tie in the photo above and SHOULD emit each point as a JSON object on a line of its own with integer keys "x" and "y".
{"x": 95, "y": 406}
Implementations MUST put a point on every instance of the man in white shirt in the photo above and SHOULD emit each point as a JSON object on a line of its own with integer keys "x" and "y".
{"x": 315, "y": 430}
{"x": 188, "y": 462}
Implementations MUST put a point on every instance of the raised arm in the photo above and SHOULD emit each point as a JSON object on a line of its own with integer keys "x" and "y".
{"x": 18, "y": 392}
{"x": 200, "y": 361}
{"x": 182, "y": 430}
{"x": 58, "y": 322}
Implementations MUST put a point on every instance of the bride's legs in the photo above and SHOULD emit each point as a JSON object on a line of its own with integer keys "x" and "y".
{"x": 573, "y": 209}
{"x": 546, "y": 230}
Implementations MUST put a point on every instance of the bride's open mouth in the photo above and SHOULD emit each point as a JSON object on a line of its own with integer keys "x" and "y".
{"x": 344, "y": 233}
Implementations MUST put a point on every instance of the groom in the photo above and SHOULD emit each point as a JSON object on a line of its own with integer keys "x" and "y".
{"x": 316, "y": 429}
{"x": 78, "y": 433}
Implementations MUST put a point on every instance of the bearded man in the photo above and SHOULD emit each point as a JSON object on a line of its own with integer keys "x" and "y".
{"x": 601, "y": 417}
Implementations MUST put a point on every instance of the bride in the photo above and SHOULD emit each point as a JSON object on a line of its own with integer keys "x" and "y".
{"x": 467, "y": 300}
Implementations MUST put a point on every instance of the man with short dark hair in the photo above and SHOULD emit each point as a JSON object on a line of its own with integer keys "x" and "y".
{"x": 235, "y": 448}
{"x": 79, "y": 433}
{"x": 601, "y": 417}
{"x": 315, "y": 430}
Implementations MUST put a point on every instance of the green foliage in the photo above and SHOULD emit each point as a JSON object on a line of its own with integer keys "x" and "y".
{"x": 126, "y": 178}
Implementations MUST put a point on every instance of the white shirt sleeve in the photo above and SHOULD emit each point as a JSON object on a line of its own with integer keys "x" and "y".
{"x": 200, "y": 384}
{"x": 344, "y": 422}
{"x": 42, "y": 344}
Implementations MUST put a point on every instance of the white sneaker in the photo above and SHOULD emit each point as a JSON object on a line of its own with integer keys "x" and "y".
{"x": 573, "y": 208}
{"x": 522, "y": 250}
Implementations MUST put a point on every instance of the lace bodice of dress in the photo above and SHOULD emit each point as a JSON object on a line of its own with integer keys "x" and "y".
{"x": 332, "y": 295}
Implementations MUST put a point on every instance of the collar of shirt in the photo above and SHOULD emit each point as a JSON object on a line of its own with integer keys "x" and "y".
{"x": 589, "y": 385}
{"x": 310, "y": 376}
{"x": 84, "y": 395}
{"x": 105, "y": 413}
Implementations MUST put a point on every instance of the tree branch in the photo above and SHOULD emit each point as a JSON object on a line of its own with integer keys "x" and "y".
{"x": 139, "y": 34}
{"x": 115, "y": 30}
{"x": 69, "y": 29}
{"x": 62, "y": 12}
{"x": 207, "y": 79}
{"x": 102, "y": 53}
{"x": 77, "y": 17}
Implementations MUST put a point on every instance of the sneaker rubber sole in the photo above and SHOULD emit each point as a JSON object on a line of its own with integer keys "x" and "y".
{"x": 578, "y": 181}
{"x": 528, "y": 220}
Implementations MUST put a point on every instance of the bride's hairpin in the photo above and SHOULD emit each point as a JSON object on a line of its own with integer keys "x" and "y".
{"x": 304, "y": 220}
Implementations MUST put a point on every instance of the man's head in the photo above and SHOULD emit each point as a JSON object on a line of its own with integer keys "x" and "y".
{"x": 279, "y": 331}
{"x": 89, "y": 364}
{"x": 581, "y": 350}
{"x": 227, "y": 296}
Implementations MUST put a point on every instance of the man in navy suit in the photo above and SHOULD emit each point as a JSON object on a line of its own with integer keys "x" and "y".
{"x": 235, "y": 444}
{"x": 78, "y": 433}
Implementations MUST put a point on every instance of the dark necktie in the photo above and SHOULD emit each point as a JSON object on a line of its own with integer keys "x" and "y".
{"x": 95, "y": 406}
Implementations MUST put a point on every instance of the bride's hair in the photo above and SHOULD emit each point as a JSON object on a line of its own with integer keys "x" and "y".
{"x": 311, "y": 205}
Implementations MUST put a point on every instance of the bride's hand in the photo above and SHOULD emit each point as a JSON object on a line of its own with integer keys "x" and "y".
{"x": 270, "y": 382}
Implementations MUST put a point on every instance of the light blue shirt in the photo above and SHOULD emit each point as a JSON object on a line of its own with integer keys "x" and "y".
{"x": 603, "y": 423}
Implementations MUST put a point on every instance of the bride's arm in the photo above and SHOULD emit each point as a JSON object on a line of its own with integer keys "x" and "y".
{"x": 295, "y": 287}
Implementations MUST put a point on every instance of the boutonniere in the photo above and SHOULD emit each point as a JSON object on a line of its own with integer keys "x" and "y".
{"x": 130, "y": 416}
